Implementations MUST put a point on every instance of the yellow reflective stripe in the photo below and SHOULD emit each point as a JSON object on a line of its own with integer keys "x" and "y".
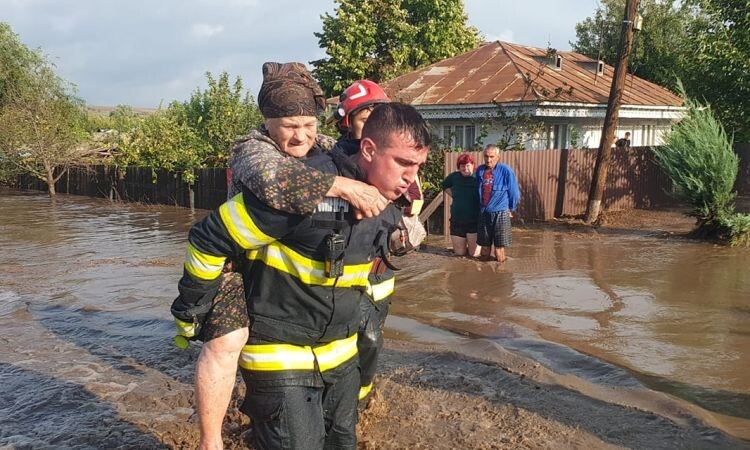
{"x": 186, "y": 329}
{"x": 382, "y": 290}
{"x": 364, "y": 391}
{"x": 240, "y": 226}
{"x": 335, "y": 353}
{"x": 266, "y": 357}
{"x": 269, "y": 357}
{"x": 309, "y": 271}
{"x": 202, "y": 265}
{"x": 416, "y": 207}
{"x": 355, "y": 275}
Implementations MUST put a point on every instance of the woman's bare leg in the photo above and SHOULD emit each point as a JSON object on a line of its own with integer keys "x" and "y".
{"x": 459, "y": 245}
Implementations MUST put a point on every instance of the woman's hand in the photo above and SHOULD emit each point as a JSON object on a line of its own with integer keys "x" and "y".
{"x": 366, "y": 200}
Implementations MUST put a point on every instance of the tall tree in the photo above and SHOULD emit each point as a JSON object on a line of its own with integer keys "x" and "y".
{"x": 381, "y": 39}
{"x": 719, "y": 70}
{"x": 219, "y": 114}
{"x": 42, "y": 122}
{"x": 706, "y": 43}
{"x": 659, "y": 49}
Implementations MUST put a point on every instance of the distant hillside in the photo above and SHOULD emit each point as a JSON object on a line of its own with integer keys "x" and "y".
{"x": 105, "y": 110}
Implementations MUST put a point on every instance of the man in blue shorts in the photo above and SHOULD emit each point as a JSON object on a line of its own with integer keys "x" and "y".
{"x": 498, "y": 198}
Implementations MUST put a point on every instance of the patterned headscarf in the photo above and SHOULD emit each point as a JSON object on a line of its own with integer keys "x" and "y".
{"x": 288, "y": 89}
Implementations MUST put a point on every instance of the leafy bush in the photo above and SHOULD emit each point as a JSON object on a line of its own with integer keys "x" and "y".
{"x": 699, "y": 158}
{"x": 219, "y": 115}
{"x": 433, "y": 171}
{"x": 161, "y": 141}
{"x": 327, "y": 126}
{"x": 187, "y": 135}
{"x": 737, "y": 229}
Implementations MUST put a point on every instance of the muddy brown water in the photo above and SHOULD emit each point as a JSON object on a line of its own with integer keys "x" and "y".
{"x": 85, "y": 329}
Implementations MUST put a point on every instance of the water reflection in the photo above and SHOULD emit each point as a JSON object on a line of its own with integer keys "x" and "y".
{"x": 674, "y": 313}
{"x": 31, "y": 398}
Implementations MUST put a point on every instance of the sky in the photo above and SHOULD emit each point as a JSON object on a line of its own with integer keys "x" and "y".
{"x": 146, "y": 53}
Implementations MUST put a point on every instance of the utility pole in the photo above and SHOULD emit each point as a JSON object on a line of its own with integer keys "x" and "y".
{"x": 613, "y": 109}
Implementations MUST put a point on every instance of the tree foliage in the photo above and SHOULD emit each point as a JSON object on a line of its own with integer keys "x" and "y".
{"x": 719, "y": 67}
{"x": 42, "y": 122}
{"x": 699, "y": 158}
{"x": 381, "y": 39}
{"x": 706, "y": 43}
{"x": 219, "y": 114}
{"x": 17, "y": 62}
{"x": 191, "y": 134}
{"x": 659, "y": 49}
{"x": 123, "y": 118}
{"x": 433, "y": 172}
{"x": 162, "y": 141}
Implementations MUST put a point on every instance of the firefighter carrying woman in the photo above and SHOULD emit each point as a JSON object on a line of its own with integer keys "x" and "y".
{"x": 283, "y": 313}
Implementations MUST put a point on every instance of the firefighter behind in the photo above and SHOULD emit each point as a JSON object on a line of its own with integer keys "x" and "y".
{"x": 355, "y": 106}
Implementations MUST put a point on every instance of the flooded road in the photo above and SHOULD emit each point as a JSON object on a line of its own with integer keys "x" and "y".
{"x": 84, "y": 321}
{"x": 668, "y": 314}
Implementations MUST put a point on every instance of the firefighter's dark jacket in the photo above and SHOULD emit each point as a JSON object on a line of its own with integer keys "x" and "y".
{"x": 290, "y": 299}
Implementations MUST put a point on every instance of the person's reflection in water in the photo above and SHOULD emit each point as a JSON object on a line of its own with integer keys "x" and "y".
{"x": 479, "y": 294}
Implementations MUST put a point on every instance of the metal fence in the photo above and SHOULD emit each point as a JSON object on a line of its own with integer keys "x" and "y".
{"x": 556, "y": 183}
{"x": 140, "y": 184}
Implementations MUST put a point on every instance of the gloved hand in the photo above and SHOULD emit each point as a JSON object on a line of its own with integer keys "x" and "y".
{"x": 186, "y": 331}
{"x": 189, "y": 318}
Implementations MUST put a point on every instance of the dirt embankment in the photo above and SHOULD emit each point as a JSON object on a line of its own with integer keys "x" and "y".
{"x": 430, "y": 398}
{"x": 672, "y": 222}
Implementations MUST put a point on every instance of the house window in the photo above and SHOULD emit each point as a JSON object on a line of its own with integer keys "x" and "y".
{"x": 557, "y": 136}
{"x": 462, "y": 136}
{"x": 447, "y": 135}
{"x": 471, "y": 136}
{"x": 458, "y": 134}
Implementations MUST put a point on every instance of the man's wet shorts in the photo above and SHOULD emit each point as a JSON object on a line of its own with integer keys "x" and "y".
{"x": 494, "y": 229}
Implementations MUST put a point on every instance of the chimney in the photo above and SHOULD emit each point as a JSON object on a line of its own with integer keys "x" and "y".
{"x": 554, "y": 62}
{"x": 596, "y": 67}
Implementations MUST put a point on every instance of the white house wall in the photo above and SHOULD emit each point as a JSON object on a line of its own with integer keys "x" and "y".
{"x": 643, "y": 132}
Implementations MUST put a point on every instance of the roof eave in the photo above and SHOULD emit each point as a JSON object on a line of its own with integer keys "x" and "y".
{"x": 549, "y": 109}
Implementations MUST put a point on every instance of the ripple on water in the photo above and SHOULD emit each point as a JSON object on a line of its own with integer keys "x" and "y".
{"x": 10, "y": 302}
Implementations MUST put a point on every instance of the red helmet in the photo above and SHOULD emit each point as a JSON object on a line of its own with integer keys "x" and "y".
{"x": 360, "y": 94}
